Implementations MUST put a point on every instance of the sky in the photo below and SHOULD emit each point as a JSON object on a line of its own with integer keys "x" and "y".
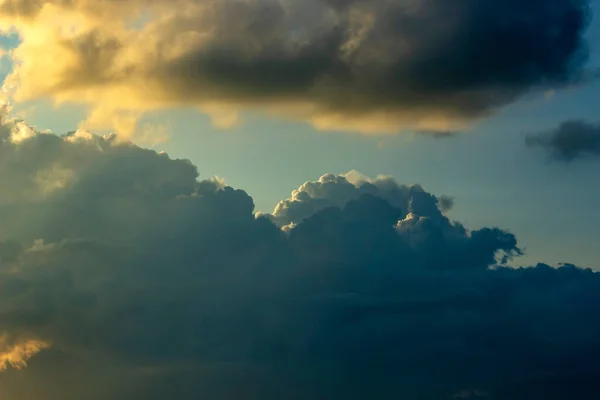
{"x": 495, "y": 178}
{"x": 274, "y": 198}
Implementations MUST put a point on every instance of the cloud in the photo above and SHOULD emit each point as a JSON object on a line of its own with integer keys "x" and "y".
{"x": 570, "y": 141}
{"x": 337, "y": 190}
{"x": 445, "y": 203}
{"x": 369, "y": 66}
{"x": 133, "y": 279}
{"x": 438, "y": 134}
{"x": 16, "y": 355}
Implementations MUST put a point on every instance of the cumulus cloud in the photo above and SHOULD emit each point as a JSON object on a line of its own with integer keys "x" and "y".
{"x": 133, "y": 279}
{"x": 370, "y": 66}
{"x": 571, "y": 140}
{"x": 337, "y": 190}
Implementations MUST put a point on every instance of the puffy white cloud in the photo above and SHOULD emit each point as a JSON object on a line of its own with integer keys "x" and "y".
{"x": 336, "y": 190}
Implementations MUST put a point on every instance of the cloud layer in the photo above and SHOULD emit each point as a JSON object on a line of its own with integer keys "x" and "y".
{"x": 571, "y": 140}
{"x": 371, "y": 66}
{"x": 123, "y": 276}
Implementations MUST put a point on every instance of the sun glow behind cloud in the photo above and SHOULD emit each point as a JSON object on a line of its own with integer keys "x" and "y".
{"x": 16, "y": 355}
{"x": 371, "y": 67}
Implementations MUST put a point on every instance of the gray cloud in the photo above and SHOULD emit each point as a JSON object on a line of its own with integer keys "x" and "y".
{"x": 570, "y": 141}
{"x": 125, "y": 277}
{"x": 445, "y": 203}
{"x": 437, "y": 134}
{"x": 431, "y": 65}
{"x": 464, "y": 59}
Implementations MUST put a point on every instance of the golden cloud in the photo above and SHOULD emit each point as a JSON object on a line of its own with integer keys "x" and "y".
{"x": 16, "y": 355}
{"x": 372, "y": 67}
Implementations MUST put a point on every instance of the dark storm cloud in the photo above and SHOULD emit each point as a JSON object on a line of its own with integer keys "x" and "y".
{"x": 372, "y": 66}
{"x": 463, "y": 58}
{"x": 570, "y": 141}
{"x": 124, "y": 277}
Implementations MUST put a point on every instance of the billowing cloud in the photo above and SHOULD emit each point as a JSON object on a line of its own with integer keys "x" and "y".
{"x": 370, "y": 66}
{"x": 571, "y": 140}
{"x": 124, "y": 276}
{"x": 331, "y": 190}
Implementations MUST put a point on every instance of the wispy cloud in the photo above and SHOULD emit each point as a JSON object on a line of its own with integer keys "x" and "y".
{"x": 572, "y": 140}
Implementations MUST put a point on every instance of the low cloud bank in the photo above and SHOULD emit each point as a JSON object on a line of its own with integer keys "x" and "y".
{"x": 124, "y": 276}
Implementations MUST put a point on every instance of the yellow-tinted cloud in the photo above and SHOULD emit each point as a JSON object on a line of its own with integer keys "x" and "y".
{"x": 153, "y": 134}
{"x": 370, "y": 67}
{"x": 16, "y": 355}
